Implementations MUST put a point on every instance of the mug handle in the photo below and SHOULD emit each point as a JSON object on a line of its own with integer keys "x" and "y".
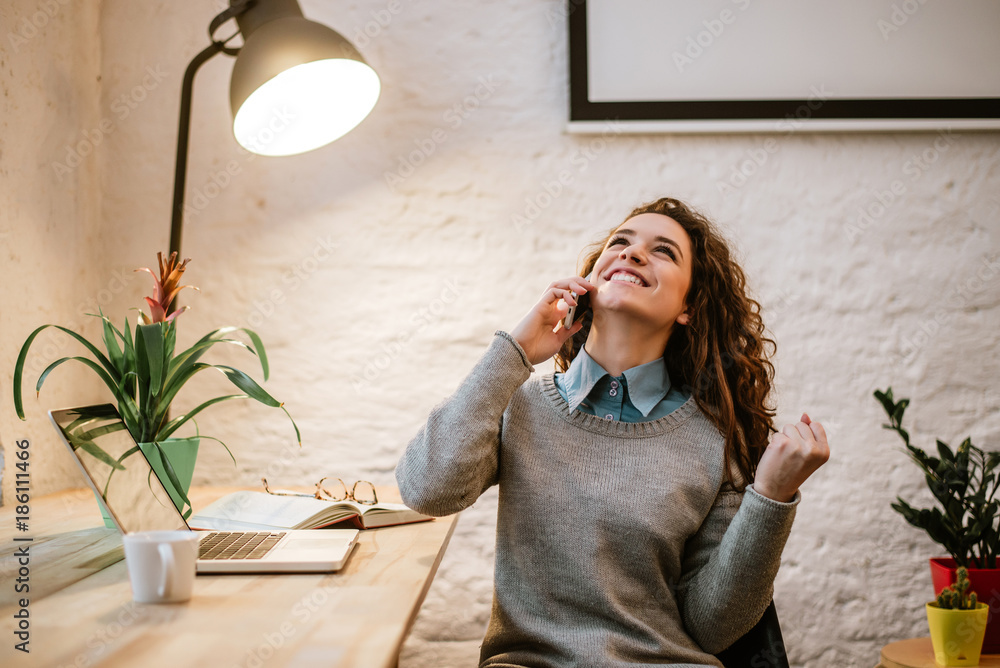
{"x": 169, "y": 564}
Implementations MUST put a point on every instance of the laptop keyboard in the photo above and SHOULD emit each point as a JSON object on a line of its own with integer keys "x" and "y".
{"x": 238, "y": 544}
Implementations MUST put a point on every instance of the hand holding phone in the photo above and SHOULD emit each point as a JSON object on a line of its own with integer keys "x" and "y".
{"x": 582, "y": 304}
{"x": 540, "y": 333}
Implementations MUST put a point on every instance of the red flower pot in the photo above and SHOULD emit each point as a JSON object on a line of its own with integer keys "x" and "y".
{"x": 985, "y": 582}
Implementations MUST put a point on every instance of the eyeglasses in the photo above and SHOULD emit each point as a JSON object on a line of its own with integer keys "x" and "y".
{"x": 362, "y": 492}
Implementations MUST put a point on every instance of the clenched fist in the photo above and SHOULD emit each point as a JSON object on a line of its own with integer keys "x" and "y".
{"x": 792, "y": 455}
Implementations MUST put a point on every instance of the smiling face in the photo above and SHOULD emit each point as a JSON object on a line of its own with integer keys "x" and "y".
{"x": 644, "y": 272}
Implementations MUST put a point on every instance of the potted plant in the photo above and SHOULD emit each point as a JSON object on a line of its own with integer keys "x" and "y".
{"x": 964, "y": 482}
{"x": 957, "y": 622}
{"x": 145, "y": 375}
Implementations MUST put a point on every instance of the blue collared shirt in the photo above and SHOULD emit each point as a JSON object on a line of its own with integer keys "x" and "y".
{"x": 642, "y": 393}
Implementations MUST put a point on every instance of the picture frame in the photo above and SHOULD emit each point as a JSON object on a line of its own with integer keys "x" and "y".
{"x": 908, "y": 36}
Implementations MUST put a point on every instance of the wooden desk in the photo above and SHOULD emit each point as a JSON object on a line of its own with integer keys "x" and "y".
{"x": 918, "y": 653}
{"x": 81, "y": 611}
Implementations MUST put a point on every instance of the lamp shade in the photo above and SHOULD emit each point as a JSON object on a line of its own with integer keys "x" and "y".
{"x": 298, "y": 85}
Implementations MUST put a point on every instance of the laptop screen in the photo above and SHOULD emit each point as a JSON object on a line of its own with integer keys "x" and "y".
{"x": 117, "y": 468}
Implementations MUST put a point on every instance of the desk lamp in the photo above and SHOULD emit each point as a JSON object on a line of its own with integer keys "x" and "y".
{"x": 296, "y": 85}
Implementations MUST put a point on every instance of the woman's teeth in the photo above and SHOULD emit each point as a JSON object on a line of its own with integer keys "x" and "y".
{"x": 627, "y": 278}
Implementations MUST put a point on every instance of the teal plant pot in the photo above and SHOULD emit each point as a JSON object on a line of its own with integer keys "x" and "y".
{"x": 182, "y": 454}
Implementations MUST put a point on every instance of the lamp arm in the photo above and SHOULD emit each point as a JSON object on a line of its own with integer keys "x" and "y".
{"x": 184, "y": 125}
{"x": 183, "y": 134}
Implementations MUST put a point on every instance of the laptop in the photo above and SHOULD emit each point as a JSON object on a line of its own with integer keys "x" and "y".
{"x": 137, "y": 500}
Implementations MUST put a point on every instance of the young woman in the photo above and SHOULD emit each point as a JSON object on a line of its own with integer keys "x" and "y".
{"x": 644, "y": 497}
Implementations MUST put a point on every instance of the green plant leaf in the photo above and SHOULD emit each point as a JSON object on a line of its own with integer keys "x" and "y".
{"x": 129, "y": 345}
{"x": 939, "y": 528}
{"x": 141, "y": 360}
{"x": 212, "y": 438}
{"x": 189, "y": 357}
{"x": 298, "y": 436}
{"x": 172, "y": 475}
{"x": 144, "y": 397}
{"x": 169, "y": 342}
{"x": 23, "y": 354}
{"x": 885, "y": 398}
{"x": 129, "y": 387}
{"x": 130, "y": 413}
{"x": 934, "y": 523}
{"x": 241, "y": 380}
{"x": 103, "y": 430}
{"x": 178, "y": 380}
{"x": 90, "y": 414}
{"x": 153, "y": 344}
{"x": 172, "y": 426}
{"x": 111, "y": 344}
{"x": 945, "y": 451}
{"x": 125, "y": 455}
{"x": 244, "y": 382}
{"x": 194, "y": 353}
{"x": 258, "y": 347}
{"x": 107, "y": 321}
{"x": 59, "y": 362}
{"x": 920, "y": 458}
{"x": 95, "y": 450}
{"x": 897, "y": 413}
{"x": 964, "y": 482}
{"x": 248, "y": 385}
{"x": 84, "y": 360}
{"x": 128, "y": 453}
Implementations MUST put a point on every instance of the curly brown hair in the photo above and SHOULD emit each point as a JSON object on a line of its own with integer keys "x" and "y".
{"x": 721, "y": 356}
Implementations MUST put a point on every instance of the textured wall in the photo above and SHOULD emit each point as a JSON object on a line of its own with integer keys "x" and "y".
{"x": 52, "y": 267}
{"x": 376, "y": 270}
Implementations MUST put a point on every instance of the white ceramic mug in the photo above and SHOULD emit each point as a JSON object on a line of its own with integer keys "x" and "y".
{"x": 161, "y": 565}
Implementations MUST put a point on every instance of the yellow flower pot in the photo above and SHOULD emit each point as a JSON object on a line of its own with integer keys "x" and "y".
{"x": 957, "y": 635}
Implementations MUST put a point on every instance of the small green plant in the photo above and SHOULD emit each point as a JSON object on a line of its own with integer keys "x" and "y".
{"x": 145, "y": 374}
{"x": 964, "y": 482}
{"x": 958, "y": 596}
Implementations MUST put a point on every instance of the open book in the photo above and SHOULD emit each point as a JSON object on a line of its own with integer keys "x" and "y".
{"x": 246, "y": 511}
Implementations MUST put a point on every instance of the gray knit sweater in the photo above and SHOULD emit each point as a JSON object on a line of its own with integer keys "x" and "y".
{"x": 618, "y": 544}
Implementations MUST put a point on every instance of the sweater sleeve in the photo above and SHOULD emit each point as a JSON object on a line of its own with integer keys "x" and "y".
{"x": 454, "y": 457}
{"x": 730, "y": 564}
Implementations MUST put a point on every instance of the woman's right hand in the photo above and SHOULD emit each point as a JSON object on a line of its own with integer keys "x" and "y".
{"x": 541, "y": 333}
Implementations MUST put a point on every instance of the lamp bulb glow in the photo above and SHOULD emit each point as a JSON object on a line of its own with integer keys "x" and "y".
{"x": 306, "y": 107}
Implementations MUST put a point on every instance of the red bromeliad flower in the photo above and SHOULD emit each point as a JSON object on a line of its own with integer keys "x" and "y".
{"x": 165, "y": 290}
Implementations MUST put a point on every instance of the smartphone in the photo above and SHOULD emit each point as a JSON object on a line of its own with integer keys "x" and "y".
{"x": 582, "y": 304}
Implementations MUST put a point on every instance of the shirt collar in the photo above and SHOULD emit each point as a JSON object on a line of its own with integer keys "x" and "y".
{"x": 647, "y": 384}
{"x": 581, "y": 376}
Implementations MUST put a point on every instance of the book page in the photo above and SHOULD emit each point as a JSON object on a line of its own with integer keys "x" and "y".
{"x": 389, "y": 514}
{"x": 246, "y": 510}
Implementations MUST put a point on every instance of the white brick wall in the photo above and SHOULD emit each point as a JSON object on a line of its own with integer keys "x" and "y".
{"x": 376, "y": 298}
{"x": 52, "y": 268}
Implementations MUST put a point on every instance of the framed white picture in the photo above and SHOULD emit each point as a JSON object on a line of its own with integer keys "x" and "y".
{"x": 780, "y": 65}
